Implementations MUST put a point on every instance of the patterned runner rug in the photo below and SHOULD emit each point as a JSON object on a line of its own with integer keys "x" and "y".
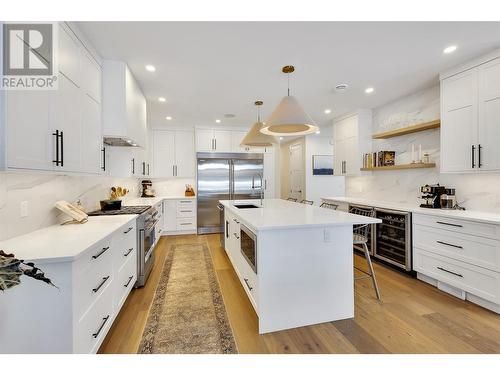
{"x": 188, "y": 314}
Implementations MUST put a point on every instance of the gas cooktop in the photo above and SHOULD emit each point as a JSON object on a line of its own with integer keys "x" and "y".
{"x": 125, "y": 210}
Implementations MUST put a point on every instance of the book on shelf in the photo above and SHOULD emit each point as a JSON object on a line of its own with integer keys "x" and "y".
{"x": 379, "y": 159}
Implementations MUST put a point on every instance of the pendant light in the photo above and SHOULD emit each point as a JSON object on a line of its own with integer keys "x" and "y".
{"x": 254, "y": 137}
{"x": 288, "y": 118}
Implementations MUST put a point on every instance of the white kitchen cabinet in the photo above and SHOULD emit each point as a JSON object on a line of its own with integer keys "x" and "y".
{"x": 470, "y": 113}
{"x": 179, "y": 216}
{"x": 460, "y": 257}
{"x": 57, "y": 130}
{"x": 236, "y": 138}
{"x": 208, "y": 140}
{"x": 269, "y": 176}
{"x": 124, "y": 105}
{"x": 91, "y": 77}
{"x": 173, "y": 153}
{"x": 92, "y": 286}
{"x": 352, "y": 139}
{"x": 459, "y": 122}
{"x": 489, "y": 116}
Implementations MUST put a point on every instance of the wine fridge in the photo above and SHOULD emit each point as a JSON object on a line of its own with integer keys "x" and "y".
{"x": 392, "y": 238}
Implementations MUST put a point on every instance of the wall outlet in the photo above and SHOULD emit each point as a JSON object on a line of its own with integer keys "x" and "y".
{"x": 24, "y": 208}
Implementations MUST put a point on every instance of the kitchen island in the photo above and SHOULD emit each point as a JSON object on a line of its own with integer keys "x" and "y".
{"x": 294, "y": 261}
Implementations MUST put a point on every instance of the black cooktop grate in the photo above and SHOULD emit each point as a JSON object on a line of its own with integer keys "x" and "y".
{"x": 125, "y": 210}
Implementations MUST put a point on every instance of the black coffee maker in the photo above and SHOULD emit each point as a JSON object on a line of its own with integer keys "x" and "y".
{"x": 431, "y": 194}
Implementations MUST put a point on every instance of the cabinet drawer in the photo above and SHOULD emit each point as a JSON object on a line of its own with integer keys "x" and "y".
{"x": 476, "y": 280}
{"x": 127, "y": 275}
{"x": 479, "y": 251}
{"x": 98, "y": 254}
{"x": 185, "y": 204}
{"x": 461, "y": 226}
{"x": 124, "y": 246}
{"x": 93, "y": 326}
{"x": 185, "y": 212}
{"x": 188, "y": 223}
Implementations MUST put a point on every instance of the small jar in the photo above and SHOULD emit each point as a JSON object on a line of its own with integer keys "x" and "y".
{"x": 426, "y": 159}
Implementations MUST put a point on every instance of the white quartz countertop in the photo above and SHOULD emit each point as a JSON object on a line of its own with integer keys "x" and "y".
{"x": 281, "y": 214}
{"x": 154, "y": 200}
{"x": 59, "y": 243}
{"x": 478, "y": 216}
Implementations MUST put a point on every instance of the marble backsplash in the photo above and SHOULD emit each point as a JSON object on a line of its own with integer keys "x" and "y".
{"x": 474, "y": 191}
{"x": 41, "y": 191}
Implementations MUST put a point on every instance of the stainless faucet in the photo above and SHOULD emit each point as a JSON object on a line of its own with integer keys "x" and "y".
{"x": 261, "y": 186}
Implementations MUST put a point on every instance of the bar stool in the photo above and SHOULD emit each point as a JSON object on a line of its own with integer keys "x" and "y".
{"x": 290, "y": 199}
{"x": 305, "y": 201}
{"x": 360, "y": 237}
{"x": 331, "y": 206}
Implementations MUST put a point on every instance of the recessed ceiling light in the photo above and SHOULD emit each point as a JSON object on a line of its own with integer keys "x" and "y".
{"x": 369, "y": 90}
{"x": 129, "y": 141}
{"x": 134, "y": 144}
{"x": 318, "y": 132}
{"x": 150, "y": 68}
{"x": 169, "y": 118}
{"x": 162, "y": 99}
{"x": 281, "y": 138}
{"x": 341, "y": 87}
{"x": 217, "y": 121}
{"x": 450, "y": 49}
{"x": 328, "y": 111}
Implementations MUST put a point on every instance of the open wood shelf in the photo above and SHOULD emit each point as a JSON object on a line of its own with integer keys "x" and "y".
{"x": 408, "y": 130}
{"x": 400, "y": 166}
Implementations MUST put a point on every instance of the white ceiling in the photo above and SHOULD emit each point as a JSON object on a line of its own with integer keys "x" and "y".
{"x": 207, "y": 69}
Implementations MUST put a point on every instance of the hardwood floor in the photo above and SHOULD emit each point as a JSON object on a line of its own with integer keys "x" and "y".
{"x": 413, "y": 317}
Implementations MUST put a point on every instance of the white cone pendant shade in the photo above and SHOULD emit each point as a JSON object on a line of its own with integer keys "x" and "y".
{"x": 289, "y": 119}
{"x": 255, "y": 138}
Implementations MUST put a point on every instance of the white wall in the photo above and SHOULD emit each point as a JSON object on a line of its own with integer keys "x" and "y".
{"x": 474, "y": 191}
{"x": 320, "y": 186}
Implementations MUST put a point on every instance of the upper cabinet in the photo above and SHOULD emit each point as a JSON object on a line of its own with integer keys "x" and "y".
{"x": 124, "y": 105}
{"x": 470, "y": 114}
{"x": 210, "y": 140}
{"x": 352, "y": 138}
{"x": 57, "y": 130}
{"x": 173, "y": 153}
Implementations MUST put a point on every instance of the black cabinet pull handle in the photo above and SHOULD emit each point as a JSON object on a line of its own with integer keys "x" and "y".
{"x": 104, "y": 249}
{"x": 56, "y": 134}
{"x": 479, "y": 165}
{"x": 104, "y": 279}
{"x": 128, "y": 252}
{"x": 143, "y": 167}
{"x": 133, "y": 166}
{"x": 148, "y": 169}
{"x": 94, "y": 335}
{"x": 453, "y": 273}
{"x": 452, "y": 225}
{"x": 128, "y": 230}
{"x": 227, "y": 229}
{"x": 237, "y": 237}
{"x": 248, "y": 285}
{"x": 129, "y": 280}
{"x": 62, "y": 148}
{"x": 473, "y": 149}
{"x": 449, "y": 244}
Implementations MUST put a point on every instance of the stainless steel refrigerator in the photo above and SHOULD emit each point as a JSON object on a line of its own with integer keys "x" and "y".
{"x": 222, "y": 176}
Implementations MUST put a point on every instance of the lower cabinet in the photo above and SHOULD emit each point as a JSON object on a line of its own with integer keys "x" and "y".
{"x": 179, "y": 216}
{"x": 460, "y": 257}
{"x": 77, "y": 314}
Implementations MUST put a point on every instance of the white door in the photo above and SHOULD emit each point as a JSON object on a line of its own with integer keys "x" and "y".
{"x": 30, "y": 143}
{"x": 163, "y": 153}
{"x": 91, "y": 136}
{"x": 296, "y": 172}
{"x": 204, "y": 140}
{"x": 459, "y": 122}
{"x": 236, "y": 138}
{"x": 222, "y": 140}
{"x": 184, "y": 154}
{"x": 489, "y": 116}
{"x": 65, "y": 115}
{"x": 269, "y": 173}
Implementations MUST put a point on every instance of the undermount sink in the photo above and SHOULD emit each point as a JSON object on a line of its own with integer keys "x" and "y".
{"x": 246, "y": 206}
